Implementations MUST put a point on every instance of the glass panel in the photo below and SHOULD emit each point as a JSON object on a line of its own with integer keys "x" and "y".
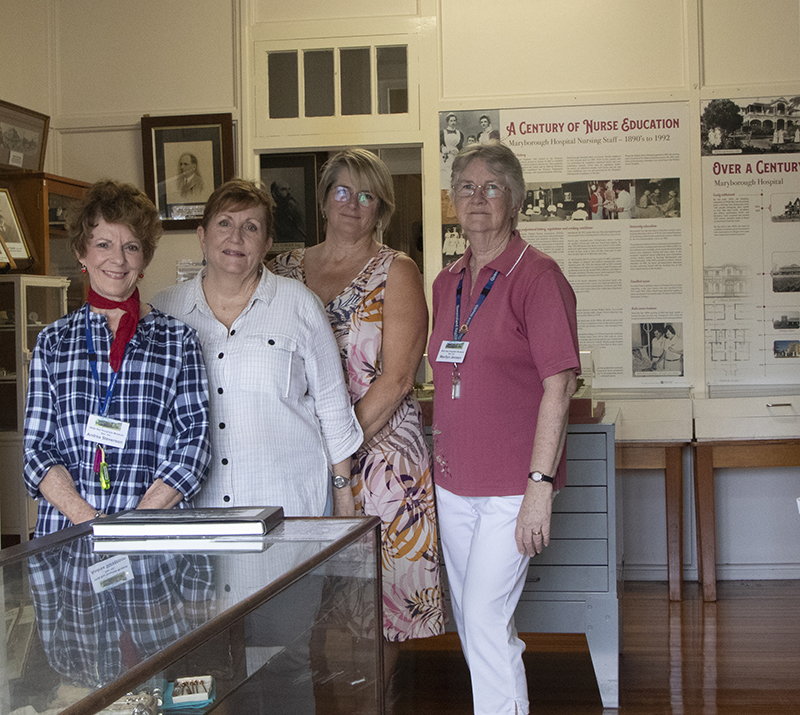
{"x": 319, "y": 85}
{"x": 44, "y": 307}
{"x": 392, "y": 80}
{"x": 176, "y": 615}
{"x": 355, "y": 77}
{"x": 283, "y": 85}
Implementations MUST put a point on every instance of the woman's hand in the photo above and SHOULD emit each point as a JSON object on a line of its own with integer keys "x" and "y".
{"x": 58, "y": 489}
{"x": 533, "y": 523}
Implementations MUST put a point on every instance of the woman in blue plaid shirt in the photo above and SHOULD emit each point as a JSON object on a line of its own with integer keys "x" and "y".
{"x": 117, "y": 409}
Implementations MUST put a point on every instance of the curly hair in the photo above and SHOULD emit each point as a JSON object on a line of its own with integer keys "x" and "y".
{"x": 118, "y": 203}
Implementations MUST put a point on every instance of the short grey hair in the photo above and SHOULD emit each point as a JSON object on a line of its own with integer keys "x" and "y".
{"x": 500, "y": 159}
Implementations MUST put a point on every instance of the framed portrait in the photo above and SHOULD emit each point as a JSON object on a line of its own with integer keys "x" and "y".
{"x": 23, "y": 137}
{"x": 291, "y": 180}
{"x": 185, "y": 159}
{"x": 13, "y": 234}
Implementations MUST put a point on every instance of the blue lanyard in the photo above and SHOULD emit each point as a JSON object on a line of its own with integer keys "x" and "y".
{"x": 104, "y": 403}
{"x": 459, "y": 331}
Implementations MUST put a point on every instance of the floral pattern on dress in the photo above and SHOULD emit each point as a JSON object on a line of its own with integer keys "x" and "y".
{"x": 392, "y": 473}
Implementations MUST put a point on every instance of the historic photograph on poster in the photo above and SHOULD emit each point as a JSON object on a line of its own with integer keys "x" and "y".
{"x": 185, "y": 159}
{"x": 23, "y": 137}
{"x": 291, "y": 180}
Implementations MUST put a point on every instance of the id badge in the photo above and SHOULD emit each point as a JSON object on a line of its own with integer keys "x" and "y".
{"x": 110, "y": 572}
{"x": 106, "y": 431}
{"x": 452, "y": 351}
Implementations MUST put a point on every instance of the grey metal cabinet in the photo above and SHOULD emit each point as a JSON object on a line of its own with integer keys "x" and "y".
{"x": 572, "y": 587}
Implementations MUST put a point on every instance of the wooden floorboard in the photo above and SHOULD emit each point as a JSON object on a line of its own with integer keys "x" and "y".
{"x": 738, "y": 656}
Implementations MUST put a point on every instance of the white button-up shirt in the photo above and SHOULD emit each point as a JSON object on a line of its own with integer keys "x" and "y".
{"x": 280, "y": 411}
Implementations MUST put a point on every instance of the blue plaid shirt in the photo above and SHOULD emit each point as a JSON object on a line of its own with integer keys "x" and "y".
{"x": 161, "y": 392}
{"x": 83, "y": 632}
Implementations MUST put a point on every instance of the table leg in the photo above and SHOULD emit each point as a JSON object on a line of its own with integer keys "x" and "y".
{"x": 673, "y": 487}
{"x": 706, "y": 519}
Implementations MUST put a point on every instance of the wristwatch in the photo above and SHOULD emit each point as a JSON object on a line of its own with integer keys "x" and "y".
{"x": 340, "y": 482}
{"x": 539, "y": 477}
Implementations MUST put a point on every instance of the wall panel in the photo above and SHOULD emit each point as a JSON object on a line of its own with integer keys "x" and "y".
{"x": 525, "y": 47}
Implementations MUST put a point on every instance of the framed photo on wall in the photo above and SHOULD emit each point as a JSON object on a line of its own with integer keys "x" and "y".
{"x": 291, "y": 180}
{"x": 13, "y": 234}
{"x": 23, "y": 137}
{"x": 185, "y": 159}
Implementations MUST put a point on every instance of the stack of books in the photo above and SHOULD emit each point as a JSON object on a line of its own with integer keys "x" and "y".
{"x": 230, "y": 529}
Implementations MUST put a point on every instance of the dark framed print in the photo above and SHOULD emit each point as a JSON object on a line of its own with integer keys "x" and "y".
{"x": 23, "y": 137}
{"x": 291, "y": 179}
{"x": 185, "y": 159}
{"x": 13, "y": 233}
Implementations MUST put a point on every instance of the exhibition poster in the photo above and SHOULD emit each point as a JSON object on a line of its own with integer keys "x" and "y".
{"x": 751, "y": 232}
{"x": 607, "y": 197}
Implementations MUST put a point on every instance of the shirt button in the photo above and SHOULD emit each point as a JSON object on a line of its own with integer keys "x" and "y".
{"x": 224, "y": 461}
{"x": 233, "y": 332}
{"x": 226, "y": 498}
{"x": 220, "y": 390}
{"x": 271, "y": 341}
{"x": 227, "y": 588}
{"x": 221, "y": 355}
{"x": 222, "y": 425}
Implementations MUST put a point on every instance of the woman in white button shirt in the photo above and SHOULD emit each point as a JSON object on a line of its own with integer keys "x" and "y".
{"x": 281, "y": 420}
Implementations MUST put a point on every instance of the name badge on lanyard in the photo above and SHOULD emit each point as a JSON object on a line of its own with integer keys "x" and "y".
{"x": 106, "y": 431}
{"x": 455, "y": 350}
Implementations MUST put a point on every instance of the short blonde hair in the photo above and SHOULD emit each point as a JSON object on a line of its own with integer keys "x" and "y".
{"x": 368, "y": 170}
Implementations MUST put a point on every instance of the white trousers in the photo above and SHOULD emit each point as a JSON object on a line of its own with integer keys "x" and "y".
{"x": 486, "y": 574}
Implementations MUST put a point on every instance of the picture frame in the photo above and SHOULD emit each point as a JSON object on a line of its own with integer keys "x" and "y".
{"x": 14, "y": 233}
{"x": 291, "y": 180}
{"x": 186, "y": 157}
{"x": 23, "y": 138}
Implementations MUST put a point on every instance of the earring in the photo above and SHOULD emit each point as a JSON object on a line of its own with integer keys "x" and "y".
{"x": 83, "y": 268}
{"x": 141, "y": 275}
{"x": 204, "y": 261}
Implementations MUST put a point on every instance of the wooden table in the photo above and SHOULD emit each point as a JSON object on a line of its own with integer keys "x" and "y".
{"x": 743, "y": 454}
{"x": 669, "y": 457}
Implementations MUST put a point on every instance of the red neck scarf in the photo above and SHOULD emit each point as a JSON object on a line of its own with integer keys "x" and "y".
{"x": 127, "y": 324}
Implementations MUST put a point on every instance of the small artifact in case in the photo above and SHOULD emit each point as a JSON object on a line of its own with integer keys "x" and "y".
{"x": 134, "y": 704}
{"x": 192, "y": 692}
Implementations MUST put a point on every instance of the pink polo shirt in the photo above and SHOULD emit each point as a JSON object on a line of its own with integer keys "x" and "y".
{"x": 525, "y": 331}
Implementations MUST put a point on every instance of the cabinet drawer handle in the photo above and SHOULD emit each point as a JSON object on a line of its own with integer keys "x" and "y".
{"x": 779, "y": 404}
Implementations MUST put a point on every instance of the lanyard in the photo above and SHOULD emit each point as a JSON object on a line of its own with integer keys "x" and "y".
{"x": 104, "y": 402}
{"x": 460, "y": 330}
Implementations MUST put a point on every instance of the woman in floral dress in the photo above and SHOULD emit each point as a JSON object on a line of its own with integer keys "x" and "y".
{"x": 375, "y": 302}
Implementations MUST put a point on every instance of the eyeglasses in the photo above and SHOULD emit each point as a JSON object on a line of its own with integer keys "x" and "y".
{"x": 490, "y": 190}
{"x": 342, "y": 194}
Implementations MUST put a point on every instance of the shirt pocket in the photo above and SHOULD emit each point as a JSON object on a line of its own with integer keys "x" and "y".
{"x": 269, "y": 365}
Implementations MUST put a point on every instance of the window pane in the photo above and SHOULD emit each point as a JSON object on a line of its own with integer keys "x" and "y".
{"x": 392, "y": 80}
{"x": 283, "y": 86}
{"x": 356, "y": 97}
{"x": 318, "y": 73}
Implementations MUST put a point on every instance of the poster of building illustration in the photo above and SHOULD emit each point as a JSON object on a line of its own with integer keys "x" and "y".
{"x": 607, "y": 197}
{"x": 751, "y": 226}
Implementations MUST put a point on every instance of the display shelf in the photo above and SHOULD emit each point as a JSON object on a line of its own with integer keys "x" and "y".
{"x": 287, "y": 630}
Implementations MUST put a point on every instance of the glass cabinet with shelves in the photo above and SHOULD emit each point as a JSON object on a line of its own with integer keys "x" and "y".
{"x": 43, "y": 200}
{"x": 290, "y": 627}
{"x": 27, "y": 304}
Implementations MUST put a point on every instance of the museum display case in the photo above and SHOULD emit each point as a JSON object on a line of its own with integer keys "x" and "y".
{"x": 287, "y": 624}
{"x": 28, "y": 304}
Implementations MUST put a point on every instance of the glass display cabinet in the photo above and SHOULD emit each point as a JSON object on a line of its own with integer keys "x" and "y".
{"x": 290, "y": 626}
{"x": 27, "y": 304}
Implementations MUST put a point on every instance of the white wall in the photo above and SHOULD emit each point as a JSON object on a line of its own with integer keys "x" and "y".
{"x": 97, "y": 66}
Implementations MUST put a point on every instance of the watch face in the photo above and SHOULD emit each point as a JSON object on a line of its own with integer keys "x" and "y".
{"x": 536, "y": 476}
{"x": 340, "y": 482}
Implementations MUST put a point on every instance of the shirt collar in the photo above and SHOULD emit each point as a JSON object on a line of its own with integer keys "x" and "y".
{"x": 196, "y": 299}
{"x": 504, "y": 263}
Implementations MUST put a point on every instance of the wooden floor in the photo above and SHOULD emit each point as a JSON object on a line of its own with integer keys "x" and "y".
{"x": 738, "y": 656}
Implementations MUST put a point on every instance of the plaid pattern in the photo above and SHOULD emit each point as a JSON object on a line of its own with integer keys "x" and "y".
{"x": 161, "y": 392}
{"x": 86, "y": 635}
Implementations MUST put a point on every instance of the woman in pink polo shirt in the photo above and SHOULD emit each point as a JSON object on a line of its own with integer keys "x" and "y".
{"x": 504, "y": 352}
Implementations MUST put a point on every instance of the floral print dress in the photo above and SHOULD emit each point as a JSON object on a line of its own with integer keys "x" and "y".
{"x": 391, "y": 474}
